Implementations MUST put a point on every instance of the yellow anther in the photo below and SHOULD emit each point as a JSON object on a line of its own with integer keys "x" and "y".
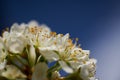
{"x": 76, "y": 39}
{"x": 53, "y": 33}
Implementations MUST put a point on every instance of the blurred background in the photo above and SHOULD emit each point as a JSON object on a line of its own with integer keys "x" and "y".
{"x": 96, "y": 24}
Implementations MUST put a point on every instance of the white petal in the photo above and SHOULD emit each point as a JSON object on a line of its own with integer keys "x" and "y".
{"x": 86, "y": 51}
{"x": 3, "y": 64}
{"x": 65, "y": 37}
{"x": 49, "y": 54}
{"x": 14, "y": 27}
{"x": 93, "y": 78}
{"x": 84, "y": 72}
{"x": 33, "y": 23}
{"x": 18, "y": 29}
{"x": 32, "y": 55}
{"x": 74, "y": 64}
{"x": 15, "y": 46}
{"x": 65, "y": 67}
{"x": 40, "y": 72}
{"x": 88, "y": 69}
{"x": 6, "y": 35}
{"x": 46, "y": 29}
{"x": 13, "y": 72}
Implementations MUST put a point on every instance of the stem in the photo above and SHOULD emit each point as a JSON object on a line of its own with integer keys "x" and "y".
{"x": 21, "y": 60}
{"x": 54, "y": 68}
{"x": 11, "y": 60}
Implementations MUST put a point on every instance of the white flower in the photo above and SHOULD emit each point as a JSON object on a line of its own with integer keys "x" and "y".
{"x": 58, "y": 48}
{"x": 88, "y": 69}
{"x": 79, "y": 54}
{"x": 16, "y": 45}
{"x": 29, "y": 39}
{"x": 78, "y": 57}
{"x": 13, "y": 72}
{"x": 18, "y": 30}
{"x": 36, "y": 34}
{"x": 15, "y": 40}
{"x": 33, "y": 25}
{"x": 58, "y": 44}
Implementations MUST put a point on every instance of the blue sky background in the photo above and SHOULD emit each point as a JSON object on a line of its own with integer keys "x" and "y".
{"x": 95, "y": 22}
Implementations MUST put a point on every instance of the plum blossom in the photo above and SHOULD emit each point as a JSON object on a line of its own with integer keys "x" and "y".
{"x": 26, "y": 50}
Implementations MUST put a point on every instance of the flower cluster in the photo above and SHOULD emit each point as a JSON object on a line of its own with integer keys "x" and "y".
{"x": 26, "y": 50}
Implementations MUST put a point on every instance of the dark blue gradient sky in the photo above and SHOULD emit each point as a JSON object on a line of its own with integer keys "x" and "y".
{"x": 95, "y": 23}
